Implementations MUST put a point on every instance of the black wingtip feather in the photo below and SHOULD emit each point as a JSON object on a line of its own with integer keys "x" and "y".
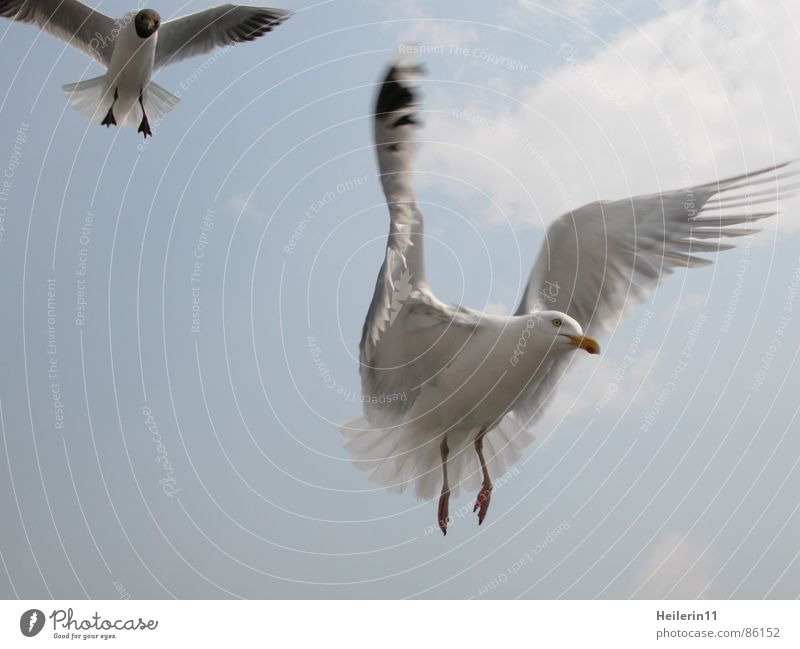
{"x": 263, "y": 23}
{"x": 396, "y": 92}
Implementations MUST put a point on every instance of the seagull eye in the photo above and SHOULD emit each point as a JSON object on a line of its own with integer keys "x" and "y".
{"x": 557, "y": 322}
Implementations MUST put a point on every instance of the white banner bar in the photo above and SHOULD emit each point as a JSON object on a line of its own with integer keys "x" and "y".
{"x": 400, "y": 624}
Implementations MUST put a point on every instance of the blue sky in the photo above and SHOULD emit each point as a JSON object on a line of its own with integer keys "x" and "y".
{"x": 198, "y": 454}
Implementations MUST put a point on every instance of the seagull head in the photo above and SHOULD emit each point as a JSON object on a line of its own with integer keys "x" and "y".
{"x": 147, "y": 22}
{"x": 568, "y": 335}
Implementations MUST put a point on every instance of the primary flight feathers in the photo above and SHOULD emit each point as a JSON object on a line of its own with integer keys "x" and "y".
{"x": 134, "y": 45}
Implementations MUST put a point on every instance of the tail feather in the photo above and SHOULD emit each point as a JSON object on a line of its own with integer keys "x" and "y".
{"x": 92, "y": 99}
{"x": 158, "y": 102}
{"x": 400, "y": 457}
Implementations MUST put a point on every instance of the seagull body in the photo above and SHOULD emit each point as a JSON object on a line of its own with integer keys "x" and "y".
{"x": 127, "y": 78}
{"x": 133, "y": 46}
{"x": 450, "y": 392}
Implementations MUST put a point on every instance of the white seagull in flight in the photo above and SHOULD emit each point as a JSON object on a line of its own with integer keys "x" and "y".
{"x": 134, "y": 45}
{"x": 439, "y": 379}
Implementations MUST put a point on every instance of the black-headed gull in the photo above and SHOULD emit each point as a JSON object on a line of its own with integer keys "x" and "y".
{"x": 439, "y": 379}
{"x": 134, "y": 45}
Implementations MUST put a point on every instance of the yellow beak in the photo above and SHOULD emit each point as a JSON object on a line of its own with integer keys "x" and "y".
{"x": 586, "y": 343}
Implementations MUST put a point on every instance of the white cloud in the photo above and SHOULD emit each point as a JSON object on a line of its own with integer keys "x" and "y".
{"x": 679, "y": 567}
{"x": 240, "y": 205}
{"x": 579, "y": 10}
{"x": 694, "y": 95}
{"x": 607, "y": 385}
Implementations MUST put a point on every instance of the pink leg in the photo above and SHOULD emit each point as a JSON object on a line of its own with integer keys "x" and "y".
{"x": 444, "y": 499}
{"x": 485, "y": 494}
